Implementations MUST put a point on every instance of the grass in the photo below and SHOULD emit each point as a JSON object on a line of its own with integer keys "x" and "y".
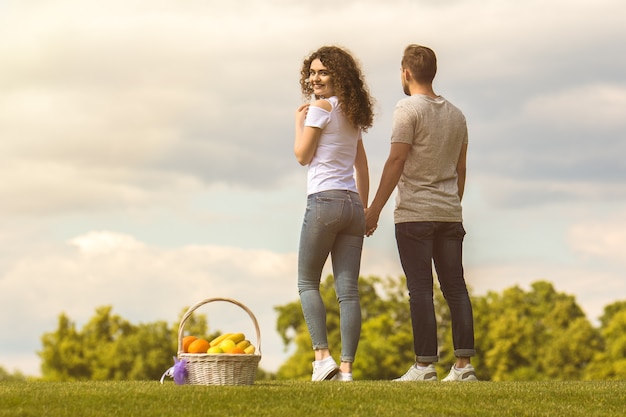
{"x": 298, "y": 398}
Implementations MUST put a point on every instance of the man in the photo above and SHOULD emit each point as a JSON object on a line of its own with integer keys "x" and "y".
{"x": 427, "y": 162}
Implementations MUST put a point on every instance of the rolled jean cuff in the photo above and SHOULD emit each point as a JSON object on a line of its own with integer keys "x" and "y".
{"x": 427, "y": 359}
{"x": 464, "y": 353}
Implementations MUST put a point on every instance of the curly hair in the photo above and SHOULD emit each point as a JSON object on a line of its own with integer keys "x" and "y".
{"x": 350, "y": 88}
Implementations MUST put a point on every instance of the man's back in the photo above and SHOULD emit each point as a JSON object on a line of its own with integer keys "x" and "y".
{"x": 436, "y": 131}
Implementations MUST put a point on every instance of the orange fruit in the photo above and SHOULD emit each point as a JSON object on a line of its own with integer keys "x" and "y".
{"x": 236, "y": 350}
{"x": 199, "y": 346}
{"x": 187, "y": 341}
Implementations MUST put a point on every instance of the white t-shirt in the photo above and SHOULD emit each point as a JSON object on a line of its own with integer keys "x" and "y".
{"x": 332, "y": 166}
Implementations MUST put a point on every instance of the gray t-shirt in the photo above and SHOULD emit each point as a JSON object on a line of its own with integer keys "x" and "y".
{"x": 436, "y": 131}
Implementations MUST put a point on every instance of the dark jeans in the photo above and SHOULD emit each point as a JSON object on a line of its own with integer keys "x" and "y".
{"x": 419, "y": 245}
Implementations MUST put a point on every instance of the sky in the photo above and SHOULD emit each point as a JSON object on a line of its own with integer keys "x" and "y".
{"x": 146, "y": 152}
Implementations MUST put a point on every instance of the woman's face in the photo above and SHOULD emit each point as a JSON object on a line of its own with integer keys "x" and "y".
{"x": 320, "y": 79}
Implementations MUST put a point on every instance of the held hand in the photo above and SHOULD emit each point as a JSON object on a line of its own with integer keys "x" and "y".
{"x": 371, "y": 221}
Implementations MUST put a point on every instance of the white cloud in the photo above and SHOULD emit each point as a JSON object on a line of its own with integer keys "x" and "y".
{"x": 597, "y": 107}
{"x": 516, "y": 193}
{"x": 105, "y": 242}
{"x": 602, "y": 238}
{"x": 116, "y": 104}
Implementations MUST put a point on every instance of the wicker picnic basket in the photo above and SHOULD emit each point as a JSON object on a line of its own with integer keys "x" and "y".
{"x": 222, "y": 368}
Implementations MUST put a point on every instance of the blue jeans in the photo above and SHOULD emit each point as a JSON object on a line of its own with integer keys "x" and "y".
{"x": 419, "y": 245}
{"x": 334, "y": 223}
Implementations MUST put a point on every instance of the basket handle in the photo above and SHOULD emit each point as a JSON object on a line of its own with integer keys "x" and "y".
{"x": 191, "y": 309}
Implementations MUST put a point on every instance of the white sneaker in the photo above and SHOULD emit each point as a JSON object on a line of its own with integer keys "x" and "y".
{"x": 464, "y": 374}
{"x": 415, "y": 374}
{"x": 324, "y": 369}
{"x": 343, "y": 376}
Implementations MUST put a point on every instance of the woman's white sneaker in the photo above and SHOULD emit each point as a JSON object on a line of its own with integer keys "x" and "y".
{"x": 324, "y": 369}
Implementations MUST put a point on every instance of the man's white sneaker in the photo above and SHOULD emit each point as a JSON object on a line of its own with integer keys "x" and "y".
{"x": 464, "y": 374}
{"x": 416, "y": 374}
{"x": 324, "y": 369}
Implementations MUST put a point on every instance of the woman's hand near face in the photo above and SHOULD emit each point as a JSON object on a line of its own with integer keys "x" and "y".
{"x": 301, "y": 115}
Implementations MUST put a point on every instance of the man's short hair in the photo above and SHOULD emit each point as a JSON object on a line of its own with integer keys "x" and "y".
{"x": 421, "y": 62}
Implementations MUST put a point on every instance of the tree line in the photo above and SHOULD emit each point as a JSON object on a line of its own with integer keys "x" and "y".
{"x": 539, "y": 334}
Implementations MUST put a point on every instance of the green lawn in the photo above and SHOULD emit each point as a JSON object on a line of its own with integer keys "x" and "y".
{"x": 294, "y": 399}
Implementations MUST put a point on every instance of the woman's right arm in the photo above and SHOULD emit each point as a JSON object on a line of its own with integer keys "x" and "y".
{"x": 307, "y": 137}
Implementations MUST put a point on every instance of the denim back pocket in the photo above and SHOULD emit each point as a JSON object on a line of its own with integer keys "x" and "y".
{"x": 329, "y": 210}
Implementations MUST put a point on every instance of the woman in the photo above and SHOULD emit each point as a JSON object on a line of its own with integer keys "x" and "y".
{"x": 328, "y": 140}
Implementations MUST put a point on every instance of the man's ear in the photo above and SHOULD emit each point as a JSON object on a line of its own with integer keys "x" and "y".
{"x": 406, "y": 74}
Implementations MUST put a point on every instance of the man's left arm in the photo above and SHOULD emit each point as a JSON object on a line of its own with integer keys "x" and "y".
{"x": 461, "y": 170}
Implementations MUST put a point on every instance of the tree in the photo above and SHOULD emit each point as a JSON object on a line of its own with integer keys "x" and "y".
{"x": 61, "y": 356}
{"x": 386, "y": 347}
{"x": 535, "y": 335}
{"x": 5, "y": 376}
{"x": 610, "y": 361}
{"x": 110, "y": 348}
